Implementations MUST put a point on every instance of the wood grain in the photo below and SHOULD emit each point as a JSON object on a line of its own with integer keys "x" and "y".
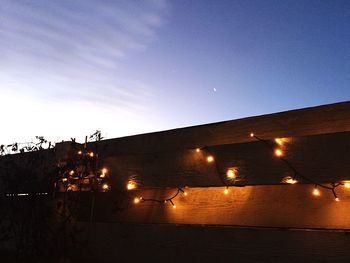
{"x": 113, "y": 242}
{"x": 288, "y": 206}
{"x": 322, "y": 158}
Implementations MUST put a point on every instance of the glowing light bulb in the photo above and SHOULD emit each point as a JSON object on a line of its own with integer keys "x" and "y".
{"x": 316, "y": 192}
{"x": 174, "y": 206}
{"x": 337, "y": 199}
{"x": 105, "y": 186}
{"x": 252, "y": 135}
{"x": 347, "y": 184}
{"x": 131, "y": 185}
{"x": 231, "y": 173}
{"x": 71, "y": 172}
{"x": 289, "y": 180}
{"x": 198, "y": 150}
{"x": 279, "y": 141}
{"x": 278, "y": 152}
{"x": 64, "y": 179}
{"x": 104, "y": 170}
{"x": 185, "y": 194}
{"x": 91, "y": 154}
{"x": 210, "y": 159}
{"x": 226, "y": 191}
{"x": 137, "y": 200}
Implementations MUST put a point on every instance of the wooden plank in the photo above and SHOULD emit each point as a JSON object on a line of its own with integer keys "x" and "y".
{"x": 291, "y": 206}
{"x": 295, "y": 123}
{"x": 323, "y": 158}
{"x": 185, "y": 243}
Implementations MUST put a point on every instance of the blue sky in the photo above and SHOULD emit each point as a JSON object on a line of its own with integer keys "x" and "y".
{"x": 68, "y": 68}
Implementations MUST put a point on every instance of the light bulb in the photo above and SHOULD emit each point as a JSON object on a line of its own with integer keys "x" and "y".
{"x": 104, "y": 170}
{"x": 231, "y": 173}
{"x": 252, "y": 135}
{"x": 198, "y": 150}
{"x": 336, "y": 199}
{"x": 137, "y": 200}
{"x": 91, "y": 154}
{"x": 278, "y": 152}
{"x": 105, "y": 186}
{"x": 80, "y": 152}
{"x": 185, "y": 193}
{"x": 131, "y": 185}
{"x": 279, "y": 141}
{"x": 316, "y": 192}
{"x": 226, "y": 191}
{"x": 289, "y": 180}
{"x": 210, "y": 159}
{"x": 71, "y": 172}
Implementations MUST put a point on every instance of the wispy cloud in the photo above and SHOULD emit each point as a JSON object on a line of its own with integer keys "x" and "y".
{"x": 72, "y": 50}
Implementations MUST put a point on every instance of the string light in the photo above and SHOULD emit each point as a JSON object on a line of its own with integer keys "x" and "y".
{"x": 279, "y": 141}
{"x": 198, "y": 150}
{"x": 91, "y": 154}
{"x": 316, "y": 192}
{"x": 184, "y": 192}
{"x": 252, "y": 135}
{"x": 296, "y": 173}
{"x": 71, "y": 172}
{"x": 289, "y": 180}
{"x": 231, "y": 173}
{"x": 131, "y": 185}
{"x": 105, "y": 186}
{"x": 346, "y": 184}
{"x": 164, "y": 201}
{"x": 80, "y": 152}
{"x": 103, "y": 172}
{"x": 278, "y": 152}
{"x": 210, "y": 159}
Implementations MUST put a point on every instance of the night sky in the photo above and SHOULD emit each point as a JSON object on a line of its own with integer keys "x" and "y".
{"x": 127, "y": 67}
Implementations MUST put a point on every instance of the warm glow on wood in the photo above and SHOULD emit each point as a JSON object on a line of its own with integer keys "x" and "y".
{"x": 346, "y": 184}
{"x": 226, "y": 191}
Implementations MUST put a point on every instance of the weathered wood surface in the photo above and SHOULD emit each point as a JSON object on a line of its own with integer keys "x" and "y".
{"x": 287, "y": 206}
{"x": 111, "y": 242}
{"x": 323, "y": 158}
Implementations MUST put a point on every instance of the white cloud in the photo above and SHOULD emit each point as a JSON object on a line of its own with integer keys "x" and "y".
{"x": 60, "y": 53}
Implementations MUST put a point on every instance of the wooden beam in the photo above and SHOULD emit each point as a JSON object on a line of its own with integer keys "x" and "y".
{"x": 323, "y": 119}
{"x": 113, "y": 242}
{"x": 285, "y": 206}
{"x": 321, "y": 158}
